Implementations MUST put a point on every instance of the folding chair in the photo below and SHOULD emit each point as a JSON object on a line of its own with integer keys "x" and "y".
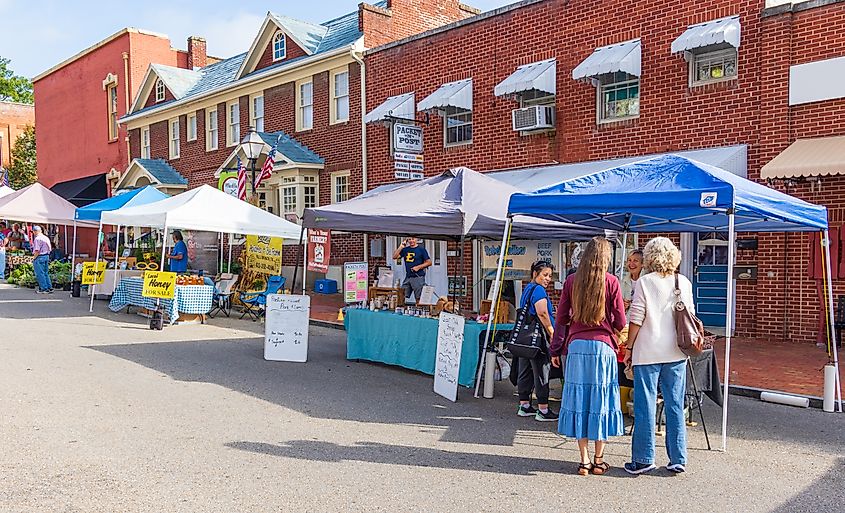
{"x": 223, "y": 291}
{"x": 254, "y": 301}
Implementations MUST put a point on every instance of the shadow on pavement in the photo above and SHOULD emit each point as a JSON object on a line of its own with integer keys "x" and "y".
{"x": 825, "y": 494}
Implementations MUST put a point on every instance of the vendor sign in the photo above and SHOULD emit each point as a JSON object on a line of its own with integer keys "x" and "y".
{"x": 93, "y": 273}
{"x": 355, "y": 281}
{"x": 264, "y": 254}
{"x": 159, "y": 284}
{"x": 319, "y": 250}
{"x": 520, "y": 256}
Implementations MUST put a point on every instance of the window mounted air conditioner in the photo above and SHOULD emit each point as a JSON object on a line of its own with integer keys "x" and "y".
{"x": 536, "y": 117}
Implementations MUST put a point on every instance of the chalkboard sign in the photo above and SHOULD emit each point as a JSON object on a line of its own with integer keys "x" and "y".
{"x": 450, "y": 340}
{"x": 286, "y": 328}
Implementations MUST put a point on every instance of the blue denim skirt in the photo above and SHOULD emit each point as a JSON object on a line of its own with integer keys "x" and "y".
{"x": 590, "y": 404}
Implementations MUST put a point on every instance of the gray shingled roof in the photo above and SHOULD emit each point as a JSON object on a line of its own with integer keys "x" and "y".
{"x": 291, "y": 148}
{"x": 162, "y": 171}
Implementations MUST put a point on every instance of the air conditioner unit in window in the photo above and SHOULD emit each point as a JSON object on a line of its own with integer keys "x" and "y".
{"x": 536, "y": 117}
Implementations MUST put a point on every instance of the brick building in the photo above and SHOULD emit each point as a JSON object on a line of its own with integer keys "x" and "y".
{"x": 597, "y": 84}
{"x": 300, "y": 84}
{"x": 14, "y": 119}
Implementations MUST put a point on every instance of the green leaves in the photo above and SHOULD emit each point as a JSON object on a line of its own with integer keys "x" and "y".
{"x": 23, "y": 170}
{"x": 13, "y": 87}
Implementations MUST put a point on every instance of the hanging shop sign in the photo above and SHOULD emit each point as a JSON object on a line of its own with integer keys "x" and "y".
{"x": 319, "y": 250}
{"x": 407, "y": 138}
{"x": 159, "y": 284}
{"x": 408, "y": 157}
{"x": 264, "y": 254}
{"x": 93, "y": 273}
{"x": 407, "y": 175}
{"x": 228, "y": 183}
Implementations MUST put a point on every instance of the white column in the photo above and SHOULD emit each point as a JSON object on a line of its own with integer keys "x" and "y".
{"x": 728, "y": 327}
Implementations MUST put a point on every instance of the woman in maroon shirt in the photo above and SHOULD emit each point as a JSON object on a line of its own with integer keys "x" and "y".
{"x": 591, "y": 309}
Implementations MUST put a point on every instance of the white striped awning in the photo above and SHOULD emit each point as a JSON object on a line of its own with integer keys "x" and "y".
{"x": 610, "y": 59}
{"x": 400, "y": 106}
{"x": 716, "y": 32}
{"x": 454, "y": 94}
{"x": 537, "y": 76}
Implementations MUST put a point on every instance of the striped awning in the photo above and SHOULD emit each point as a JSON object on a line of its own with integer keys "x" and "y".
{"x": 537, "y": 76}
{"x": 400, "y": 106}
{"x": 716, "y": 32}
{"x": 454, "y": 94}
{"x": 823, "y": 156}
{"x": 624, "y": 57}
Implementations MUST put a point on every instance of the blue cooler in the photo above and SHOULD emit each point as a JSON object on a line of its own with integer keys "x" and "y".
{"x": 325, "y": 286}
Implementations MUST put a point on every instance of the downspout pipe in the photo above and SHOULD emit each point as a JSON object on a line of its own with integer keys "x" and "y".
{"x": 359, "y": 59}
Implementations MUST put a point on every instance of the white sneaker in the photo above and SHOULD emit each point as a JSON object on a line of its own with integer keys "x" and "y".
{"x": 677, "y": 468}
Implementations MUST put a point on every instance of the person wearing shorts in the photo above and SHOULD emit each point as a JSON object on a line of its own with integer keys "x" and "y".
{"x": 416, "y": 261}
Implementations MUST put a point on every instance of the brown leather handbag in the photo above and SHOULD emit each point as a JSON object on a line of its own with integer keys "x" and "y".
{"x": 688, "y": 328}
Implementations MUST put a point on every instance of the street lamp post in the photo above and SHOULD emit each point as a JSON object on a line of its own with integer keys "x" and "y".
{"x": 252, "y": 145}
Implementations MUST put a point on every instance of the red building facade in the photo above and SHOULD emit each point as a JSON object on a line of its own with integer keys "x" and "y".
{"x": 730, "y": 100}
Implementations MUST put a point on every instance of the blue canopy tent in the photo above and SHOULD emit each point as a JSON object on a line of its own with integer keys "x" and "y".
{"x": 94, "y": 211}
{"x": 675, "y": 194}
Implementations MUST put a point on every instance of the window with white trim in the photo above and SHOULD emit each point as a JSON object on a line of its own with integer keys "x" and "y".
{"x": 340, "y": 186}
{"x": 174, "y": 138}
{"x": 305, "y": 103}
{"x": 340, "y": 96}
{"x": 211, "y": 130}
{"x": 279, "y": 49}
{"x": 111, "y": 94}
{"x": 457, "y": 126}
{"x": 145, "y": 142}
{"x": 713, "y": 66}
{"x": 233, "y": 131}
{"x": 299, "y": 190}
{"x": 159, "y": 90}
{"x": 618, "y": 97}
{"x": 257, "y": 113}
{"x": 289, "y": 199}
{"x": 192, "y": 127}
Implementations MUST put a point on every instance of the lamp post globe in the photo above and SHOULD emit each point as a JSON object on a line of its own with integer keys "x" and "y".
{"x": 252, "y": 144}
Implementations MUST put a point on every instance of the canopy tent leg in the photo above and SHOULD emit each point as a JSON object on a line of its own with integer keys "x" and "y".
{"x": 621, "y": 269}
{"x": 728, "y": 326}
{"x": 829, "y": 275}
{"x": 73, "y": 253}
{"x": 116, "y": 256}
{"x": 463, "y": 270}
{"x": 298, "y": 260}
{"x": 163, "y": 247}
{"x": 495, "y": 304}
{"x": 66, "y": 244}
{"x": 220, "y": 254}
{"x": 96, "y": 263}
{"x": 230, "y": 253}
{"x": 304, "y": 266}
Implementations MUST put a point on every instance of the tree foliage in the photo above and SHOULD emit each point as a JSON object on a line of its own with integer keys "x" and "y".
{"x": 13, "y": 87}
{"x": 23, "y": 170}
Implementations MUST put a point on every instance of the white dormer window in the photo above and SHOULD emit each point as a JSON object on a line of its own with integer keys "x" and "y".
{"x": 159, "y": 90}
{"x": 279, "y": 49}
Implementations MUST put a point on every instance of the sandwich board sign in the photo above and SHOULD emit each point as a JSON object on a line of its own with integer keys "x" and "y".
{"x": 286, "y": 328}
{"x": 447, "y": 363}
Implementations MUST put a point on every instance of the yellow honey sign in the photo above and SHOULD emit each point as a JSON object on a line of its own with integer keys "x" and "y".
{"x": 93, "y": 273}
{"x": 264, "y": 254}
{"x": 159, "y": 284}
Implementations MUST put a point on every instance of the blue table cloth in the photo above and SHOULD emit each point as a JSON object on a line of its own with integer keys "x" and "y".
{"x": 409, "y": 342}
{"x": 189, "y": 299}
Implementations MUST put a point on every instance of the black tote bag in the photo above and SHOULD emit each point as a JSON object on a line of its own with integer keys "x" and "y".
{"x": 528, "y": 339}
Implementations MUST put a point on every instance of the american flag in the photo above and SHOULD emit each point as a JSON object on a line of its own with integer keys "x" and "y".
{"x": 267, "y": 168}
{"x": 241, "y": 180}
{"x": 5, "y": 176}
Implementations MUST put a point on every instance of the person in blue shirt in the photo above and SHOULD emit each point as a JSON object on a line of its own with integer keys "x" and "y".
{"x": 179, "y": 255}
{"x": 416, "y": 261}
{"x": 534, "y": 373}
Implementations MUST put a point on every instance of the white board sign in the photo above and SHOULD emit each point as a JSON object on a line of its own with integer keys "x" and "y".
{"x": 407, "y": 138}
{"x": 410, "y": 157}
{"x": 407, "y": 175}
{"x": 447, "y": 366}
{"x": 286, "y": 328}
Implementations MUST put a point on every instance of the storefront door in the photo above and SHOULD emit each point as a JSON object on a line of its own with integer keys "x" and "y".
{"x": 710, "y": 278}
{"x": 437, "y": 275}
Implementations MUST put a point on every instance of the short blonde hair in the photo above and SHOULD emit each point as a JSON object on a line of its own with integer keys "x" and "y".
{"x": 660, "y": 255}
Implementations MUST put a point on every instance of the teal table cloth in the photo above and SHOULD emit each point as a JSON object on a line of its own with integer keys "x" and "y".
{"x": 409, "y": 342}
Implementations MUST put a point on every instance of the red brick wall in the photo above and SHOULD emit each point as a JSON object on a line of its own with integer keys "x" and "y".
{"x": 14, "y": 118}
{"x": 403, "y": 18}
{"x": 151, "y": 99}
{"x": 292, "y": 51}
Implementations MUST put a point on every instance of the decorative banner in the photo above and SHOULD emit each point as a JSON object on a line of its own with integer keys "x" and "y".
{"x": 355, "y": 282}
{"x": 93, "y": 273}
{"x": 264, "y": 254}
{"x": 159, "y": 284}
{"x": 521, "y": 255}
{"x": 319, "y": 250}
{"x": 228, "y": 183}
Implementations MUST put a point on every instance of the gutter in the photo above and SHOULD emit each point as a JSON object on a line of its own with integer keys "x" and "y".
{"x": 358, "y": 58}
{"x": 232, "y": 85}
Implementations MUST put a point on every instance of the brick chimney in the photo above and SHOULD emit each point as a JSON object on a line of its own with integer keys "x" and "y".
{"x": 197, "y": 57}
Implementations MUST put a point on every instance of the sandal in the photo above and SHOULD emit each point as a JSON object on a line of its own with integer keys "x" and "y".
{"x": 584, "y": 469}
{"x": 599, "y": 468}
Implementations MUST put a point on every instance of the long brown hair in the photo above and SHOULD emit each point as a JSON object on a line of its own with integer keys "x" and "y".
{"x": 588, "y": 289}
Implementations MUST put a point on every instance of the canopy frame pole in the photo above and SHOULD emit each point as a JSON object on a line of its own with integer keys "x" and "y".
{"x": 299, "y": 260}
{"x": 728, "y": 325}
{"x": 831, "y": 320}
{"x": 621, "y": 269}
{"x": 495, "y": 305}
{"x": 304, "y": 265}
{"x": 229, "y": 268}
{"x": 93, "y": 289}
{"x": 164, "y": 245}
{"x": 73, "y": 254}
{"x": 463, "y": 271}
{"x": 66, "y": 244}
{"x": 116, "y": 256}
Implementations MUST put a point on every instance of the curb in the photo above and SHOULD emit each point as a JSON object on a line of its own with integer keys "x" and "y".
{"x": 754, "y": 393}
{"x": 326, "y": 324}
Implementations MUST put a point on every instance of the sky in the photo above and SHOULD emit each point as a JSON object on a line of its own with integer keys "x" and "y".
{"x": 38, "y": 34}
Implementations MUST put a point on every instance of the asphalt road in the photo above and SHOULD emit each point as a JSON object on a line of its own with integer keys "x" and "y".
{"x": 101, "y": 414}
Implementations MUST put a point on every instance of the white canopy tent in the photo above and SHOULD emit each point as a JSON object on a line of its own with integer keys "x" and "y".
{"x": 5, "y": 190}
{"x": 204, "y": 209}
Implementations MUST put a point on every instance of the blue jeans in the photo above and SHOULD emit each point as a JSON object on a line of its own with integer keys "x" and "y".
{"x": 42, "y": 272}
{"x": 2, "y": 265}
{"x": 673, "y": 380}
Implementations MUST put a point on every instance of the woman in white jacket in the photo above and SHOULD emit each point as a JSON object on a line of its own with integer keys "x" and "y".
{"x": 656, "y": 358}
